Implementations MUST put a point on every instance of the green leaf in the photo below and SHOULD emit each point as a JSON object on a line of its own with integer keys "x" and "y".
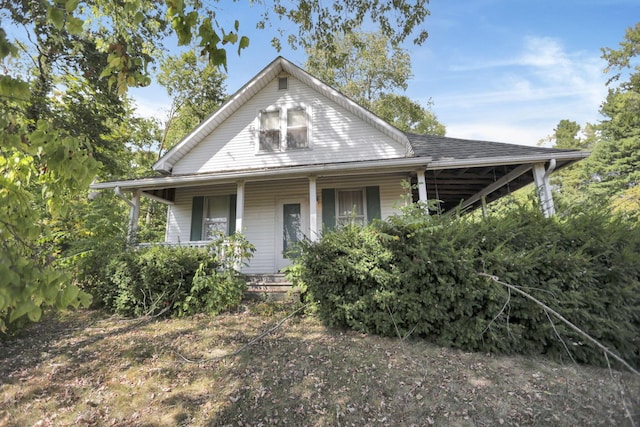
{"x": 34, "y": 314}
{"x": 244, "y": 43}
{"x": 68, "y": 296}
{"x": 23, "y": 308}
{"x": 74, "y": 25}
{"x": 230, "y": 38}
{"x": 55, "y": 15}
{"x": 71, "y": 5}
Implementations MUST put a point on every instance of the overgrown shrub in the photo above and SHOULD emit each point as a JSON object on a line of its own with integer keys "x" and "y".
{"x": 418, "y": 275}
{"x": 171, "y": 280}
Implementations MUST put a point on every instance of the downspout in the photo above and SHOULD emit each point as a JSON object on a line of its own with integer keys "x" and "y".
{"x": 552, "y": 167}
{"x": 543, "y": 187}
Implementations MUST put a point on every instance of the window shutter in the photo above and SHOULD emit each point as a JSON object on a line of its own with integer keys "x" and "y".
{"x": 233, "y": 198}
{"x": 329, "y": 208}
{"x": 197, "y": 209}
{"x": 373, "y": 203}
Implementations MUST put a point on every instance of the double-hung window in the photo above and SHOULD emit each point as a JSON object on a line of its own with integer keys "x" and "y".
{"x": 296, "y": 128}
{"x": 283, "y": 129}
{"x": 350, "y": 207}
{"x": 216, "y": 217}
{"x": 270, "y": 130}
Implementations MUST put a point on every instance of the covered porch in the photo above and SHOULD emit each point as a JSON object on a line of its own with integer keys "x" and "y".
{"x": 272, "y": 207}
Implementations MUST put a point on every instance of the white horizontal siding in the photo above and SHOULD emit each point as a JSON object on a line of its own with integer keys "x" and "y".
{"x": 336, "y": 135}
{"x": 261, "y": 201}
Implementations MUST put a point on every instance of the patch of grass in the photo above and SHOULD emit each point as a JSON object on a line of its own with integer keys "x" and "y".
{"x": 89, "y": 369}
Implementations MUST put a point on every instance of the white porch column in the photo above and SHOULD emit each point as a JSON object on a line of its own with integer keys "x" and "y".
{"x": 543, "y": 188}
{"x": 313, "y": 210}
{"x": 422, "y": 187}
{"x": 239, "y": 206}
{"x": 484, "y": 206}
{"x": 134, "y": 214}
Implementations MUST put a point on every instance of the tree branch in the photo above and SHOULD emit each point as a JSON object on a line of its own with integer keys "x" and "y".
{"x": 252, "y": 341}
{"x": 563, "y": 319}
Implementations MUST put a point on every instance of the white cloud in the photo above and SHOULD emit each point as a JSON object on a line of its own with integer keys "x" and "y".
{"x": 520, "y": 97}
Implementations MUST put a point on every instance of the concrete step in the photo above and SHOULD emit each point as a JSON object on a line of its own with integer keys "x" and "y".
{"x": 268, "y": 283}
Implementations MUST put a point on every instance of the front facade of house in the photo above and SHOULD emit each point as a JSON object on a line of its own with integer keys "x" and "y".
{"x": 288, "y": 155}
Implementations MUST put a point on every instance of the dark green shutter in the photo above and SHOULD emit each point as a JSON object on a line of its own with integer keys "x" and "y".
{"x": 329, "y": 208}
{"x": 233, "y": 198}
{"x": 197, "y": 209}
{"x": 373, "y": 203}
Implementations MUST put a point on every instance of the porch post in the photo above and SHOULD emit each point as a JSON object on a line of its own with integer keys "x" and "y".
{"x": 313, "y": 209}
{"x": 543, "y": 188}
{"x": 422, "y": 187}
{"x": 239, "y": 206}
{"x": 134, "y": 214}
{"x": 484, "y": 206}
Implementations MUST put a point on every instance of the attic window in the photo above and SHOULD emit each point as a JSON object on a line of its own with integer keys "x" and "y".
{"x": 283, "y": 129}
{"x": 283, "y": 83}
{"x": 270, "y": 130}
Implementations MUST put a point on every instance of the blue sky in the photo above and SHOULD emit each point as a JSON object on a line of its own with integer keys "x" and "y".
{"x": 501, "y": 70}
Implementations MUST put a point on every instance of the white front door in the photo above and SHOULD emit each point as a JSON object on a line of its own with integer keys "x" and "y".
{"x": 292, "y": 225}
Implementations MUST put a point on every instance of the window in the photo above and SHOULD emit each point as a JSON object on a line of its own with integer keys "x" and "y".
{"x": 350, "y": 207}
{"x": 283, "y": 83}
{"x": 270, "y": 130}
{"x": 292, "y": 123}
{"x": 296, "y": 128}
{"x": 216, "y": 217}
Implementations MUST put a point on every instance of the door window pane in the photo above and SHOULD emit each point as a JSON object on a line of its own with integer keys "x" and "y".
{"x": 291, "y": 227}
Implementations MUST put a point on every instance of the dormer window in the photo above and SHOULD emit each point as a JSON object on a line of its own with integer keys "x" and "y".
{"x": 283, "y": 129}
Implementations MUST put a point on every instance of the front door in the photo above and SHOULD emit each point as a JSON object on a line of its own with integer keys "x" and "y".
{"x": 291, "y": 228}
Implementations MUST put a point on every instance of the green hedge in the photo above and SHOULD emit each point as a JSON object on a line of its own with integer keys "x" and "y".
{"x": 167, "y": 280}
{"x": 418, "y": 275}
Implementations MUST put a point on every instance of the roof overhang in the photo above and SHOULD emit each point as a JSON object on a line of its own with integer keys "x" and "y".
{"x": 329, "y": 169}
{"x": 454, "y": 181}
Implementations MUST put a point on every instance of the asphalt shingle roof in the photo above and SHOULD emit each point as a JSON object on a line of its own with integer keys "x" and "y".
{"x": 446, "y": 148}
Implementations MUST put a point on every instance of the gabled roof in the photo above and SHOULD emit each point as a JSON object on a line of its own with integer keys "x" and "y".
{"x": 264, "y": 77}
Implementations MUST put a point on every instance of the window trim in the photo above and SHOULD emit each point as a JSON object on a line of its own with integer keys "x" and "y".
{"x": 284, "y": 127}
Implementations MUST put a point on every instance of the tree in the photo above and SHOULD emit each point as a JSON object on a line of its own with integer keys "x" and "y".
{"x": 362, "y": 65}
{"x": 52, "y": 126}
{"x": 196, "y": 89}
{"x": 566, "y": 134}
{"x": 614, "y": 165}
{"x": 407, "y": 115}
{"x": 369, "y": 68}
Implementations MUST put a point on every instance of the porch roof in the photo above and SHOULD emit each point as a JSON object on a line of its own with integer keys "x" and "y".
{"x": 459, "y": 172}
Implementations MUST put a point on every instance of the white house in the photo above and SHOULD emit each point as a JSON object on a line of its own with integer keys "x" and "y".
{"x": 287, "y": 155}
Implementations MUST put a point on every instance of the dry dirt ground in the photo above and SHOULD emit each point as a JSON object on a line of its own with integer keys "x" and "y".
{"x": 88, "y": 368}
